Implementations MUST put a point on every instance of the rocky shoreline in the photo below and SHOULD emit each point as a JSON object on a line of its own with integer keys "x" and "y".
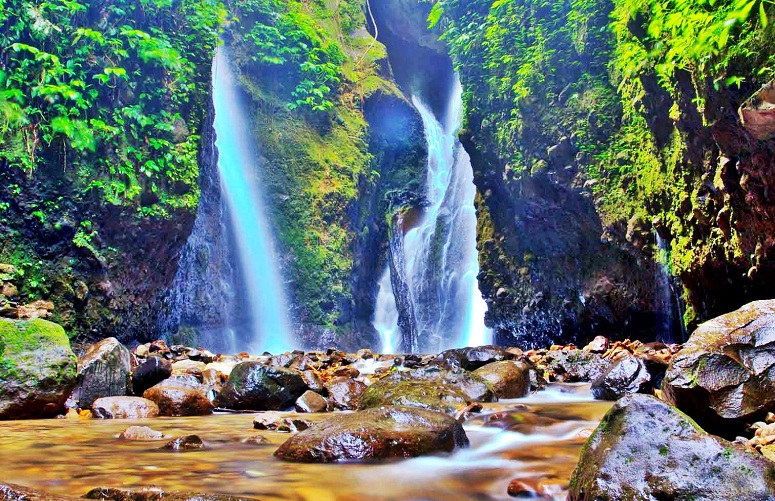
{"x": 369, "y": 407}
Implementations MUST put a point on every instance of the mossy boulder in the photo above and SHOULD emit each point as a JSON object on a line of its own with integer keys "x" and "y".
{"x": 645, "y": 449}
{"x": 431, "y": 395}
{"x": 37, "y": 368}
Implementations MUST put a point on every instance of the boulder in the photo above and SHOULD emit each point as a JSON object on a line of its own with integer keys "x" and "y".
{"x": 724, "y": 377}
{"x": 570, "y": 366}
{"x": 628, "y": 375}
{"x": 151, "y": 372}
{"x": 431, "y": 395}
{"x": 102, "y": 372}
{"x": 346, "y": 394}
{"x": 387, "y": 432}
{"x": 473, "y": 386}
{"x": 124, "y": 408}
{"x": 37, "y": 369}
{"x": 509, "y": 378}
{"x": 176, "y": 397}
{"x": 644, "y": 449}
{"x": 254, "y": 386}
{"x": 310, "y": 401}
{"x": 473, "y": 357}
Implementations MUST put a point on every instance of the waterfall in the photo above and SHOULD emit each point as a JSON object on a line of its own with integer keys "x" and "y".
{"x": 667, "y": 298}
{"x": 227, "y": 294}
{"x": 237, "y": 164}
{"x": 437, "y": 258}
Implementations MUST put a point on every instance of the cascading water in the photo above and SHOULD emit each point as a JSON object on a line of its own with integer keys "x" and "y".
{"x": 439, "y": 258}
{"x": 227, "y": 294}
{"x": 670, "y": 302}
{"x": 265, "y": 298}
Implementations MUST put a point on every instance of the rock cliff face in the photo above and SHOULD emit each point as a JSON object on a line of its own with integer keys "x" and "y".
{"x": 546, "y": 274}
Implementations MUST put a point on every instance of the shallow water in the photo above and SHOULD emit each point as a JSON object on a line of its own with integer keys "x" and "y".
{"x": 536, "y": 439}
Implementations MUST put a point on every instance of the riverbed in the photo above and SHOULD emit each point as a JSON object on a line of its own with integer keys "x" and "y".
{"x": 536, "y": 439}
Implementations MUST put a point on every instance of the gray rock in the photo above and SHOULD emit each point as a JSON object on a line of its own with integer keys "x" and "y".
{"x": 102, "y": 372}
{"x": 627, "y": 376}
{"x": 644, "y": 449}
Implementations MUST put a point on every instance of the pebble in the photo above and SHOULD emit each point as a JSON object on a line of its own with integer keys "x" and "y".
{"x": 184, "y": 444}
{"x": 141, "y": 433}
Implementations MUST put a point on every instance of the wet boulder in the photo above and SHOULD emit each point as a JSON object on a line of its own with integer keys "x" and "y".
{"x": 383, "y": 433}
{"x": 627, "y": 376}
{"x": 102, "y": 372}
{"x": 13, "y": 492}
{"x": 345, "y": 394}
{"x": 570, "y": 366}
{"x": 509, "y": 378}
{"x": 472, "y": 358}
{"x": 724, "y": 377}
{"x": 149, "y": 373}
{"x": 179, "y": 397}
{"x": 184, "y": 444}
{"x": 37, "y": 369}
{"x": 644, "y": 449}
{"x": 254, "y": 386}
{"x": 124, "y": 408}
{"x": 310, "y": 401}
{"x": 431, "y": 395}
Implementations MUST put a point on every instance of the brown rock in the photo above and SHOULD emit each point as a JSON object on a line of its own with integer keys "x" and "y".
{"x": 509, "y": 378}
{"x": 124, "y": 408}
{"x": 519, "y": 489}
{"x": 346, "y": 394}
{"x": 184, "y": 444}
{"x": 311, "y": 402}
{"x": 36, "y": 309}
{"x": 387, "y": 432}
{"x": 9, "y": 290}
{"x": 178, "y": 398}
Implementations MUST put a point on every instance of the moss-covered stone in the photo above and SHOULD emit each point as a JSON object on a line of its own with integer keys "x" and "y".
{"x": 646, "y": 449}
{"x": 37, "y": 368}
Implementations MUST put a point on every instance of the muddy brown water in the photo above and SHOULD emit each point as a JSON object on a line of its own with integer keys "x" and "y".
{"x": 536, "y": 439}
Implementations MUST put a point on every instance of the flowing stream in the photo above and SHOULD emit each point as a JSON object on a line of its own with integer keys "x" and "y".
{"x": 439, "y": 256}
{"x": 535, "y": 439}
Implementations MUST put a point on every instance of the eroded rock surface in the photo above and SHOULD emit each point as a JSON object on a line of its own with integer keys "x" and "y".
{"x": 724, "y": 377}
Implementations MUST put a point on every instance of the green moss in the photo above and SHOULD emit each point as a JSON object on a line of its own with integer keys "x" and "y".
{"x": 318, "y": 156}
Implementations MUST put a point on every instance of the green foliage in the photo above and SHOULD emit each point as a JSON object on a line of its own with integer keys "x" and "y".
{"x": 308, "y": 69}
{"x": 108, "y": 93}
